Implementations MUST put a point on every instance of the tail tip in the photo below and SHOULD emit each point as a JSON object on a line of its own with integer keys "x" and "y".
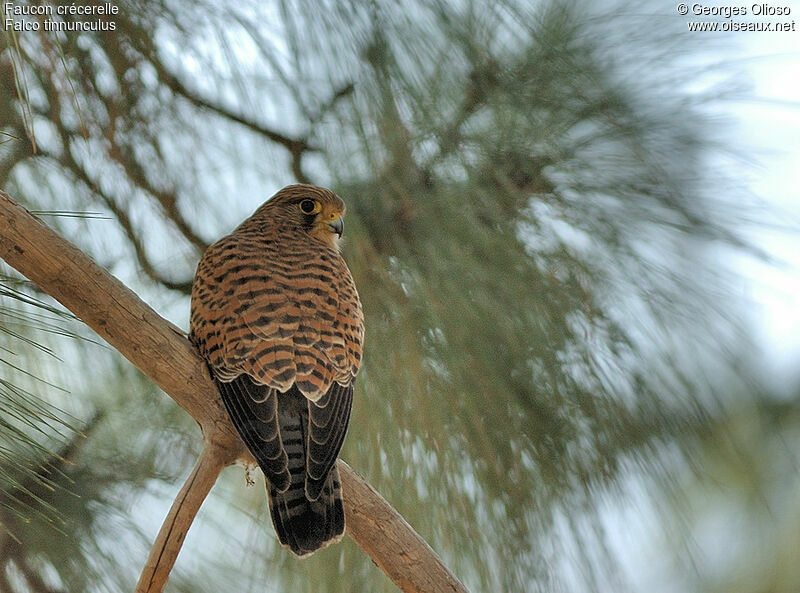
{"x": 313, "y": 528}
{"x": 306, "y": 534}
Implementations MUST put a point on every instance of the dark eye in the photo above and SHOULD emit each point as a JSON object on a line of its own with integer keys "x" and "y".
{"x": 309, "y": 207}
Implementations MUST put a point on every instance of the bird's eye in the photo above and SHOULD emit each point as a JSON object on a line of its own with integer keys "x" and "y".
{"x": 310, "y": 206}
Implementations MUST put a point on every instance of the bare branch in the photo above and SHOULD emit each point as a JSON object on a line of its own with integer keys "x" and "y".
{"x": 297, "y": 147}
{"x": 168, "y": 201}
{"x": 170, "y": 538}
{"x": 162, "y": 352}
{"x": 341, "y": 93}
{"x": 394, "y": 546}
{"x": 70, "y": 164}
{"x": 291, "y": 144}
{"x": 158, "y": 348}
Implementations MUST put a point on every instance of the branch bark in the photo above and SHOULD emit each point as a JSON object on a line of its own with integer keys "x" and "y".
{"x": 162, "y": 352}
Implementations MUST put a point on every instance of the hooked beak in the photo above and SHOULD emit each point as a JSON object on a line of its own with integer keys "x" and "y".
{"x": 337, "y": 225}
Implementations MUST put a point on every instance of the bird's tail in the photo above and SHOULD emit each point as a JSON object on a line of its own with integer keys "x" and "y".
{"x": 302, "y": 524}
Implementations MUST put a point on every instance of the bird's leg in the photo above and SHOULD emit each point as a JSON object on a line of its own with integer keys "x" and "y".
{"x": 248, "y": 477}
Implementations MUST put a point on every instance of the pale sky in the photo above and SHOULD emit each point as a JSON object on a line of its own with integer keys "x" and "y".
{"x": 771, "y": 125}
{"x": 767, "y": 126}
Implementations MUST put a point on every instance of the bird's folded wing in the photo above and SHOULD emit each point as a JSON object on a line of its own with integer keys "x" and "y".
{"x": 253, "y": 409}
{"x": 328, "y": 419}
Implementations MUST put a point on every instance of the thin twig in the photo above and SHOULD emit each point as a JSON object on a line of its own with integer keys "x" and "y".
{"x": 177, "y": 87}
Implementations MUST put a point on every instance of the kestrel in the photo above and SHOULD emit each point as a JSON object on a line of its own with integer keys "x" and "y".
{"x": 276, "y": 315}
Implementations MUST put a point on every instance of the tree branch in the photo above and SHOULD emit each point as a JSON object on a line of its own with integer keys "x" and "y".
{"x": 170, "y": 538}
{"x": 162, "y": 352}
{"x": 297, "y": 147}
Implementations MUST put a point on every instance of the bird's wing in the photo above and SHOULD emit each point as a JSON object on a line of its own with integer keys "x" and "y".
{"x": 327, "y": 425}
{"x": 253, "y": 408}
{"x": 265, "y": 323}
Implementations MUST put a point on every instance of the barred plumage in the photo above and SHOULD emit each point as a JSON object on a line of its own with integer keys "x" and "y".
{"x": 276, "y": 315}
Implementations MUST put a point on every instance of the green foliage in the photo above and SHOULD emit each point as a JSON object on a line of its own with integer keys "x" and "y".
{"x": 741, "y": 487}
{"x": 30, "y": 425}
{"x": 65, "y": 483}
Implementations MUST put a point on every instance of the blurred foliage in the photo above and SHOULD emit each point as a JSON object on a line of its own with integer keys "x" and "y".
{"x": 530, "y": 224}
{"x": 30, "y": 425}
{"x": 738, "y": 499}
{"x": 67, "y": 484}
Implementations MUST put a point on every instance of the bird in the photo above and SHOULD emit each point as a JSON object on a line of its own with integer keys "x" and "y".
{"x": 276, "y": 315}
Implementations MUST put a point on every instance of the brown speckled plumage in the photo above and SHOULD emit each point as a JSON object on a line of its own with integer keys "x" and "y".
{"x": 277, "y": 317}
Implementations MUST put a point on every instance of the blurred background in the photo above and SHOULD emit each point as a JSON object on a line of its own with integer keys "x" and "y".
{"x": 574, "y": 229}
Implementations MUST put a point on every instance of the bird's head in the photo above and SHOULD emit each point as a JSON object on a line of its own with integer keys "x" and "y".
{"x": 315, "y": 210}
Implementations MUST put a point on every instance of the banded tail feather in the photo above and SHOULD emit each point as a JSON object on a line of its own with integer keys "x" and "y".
{"x": 296, "y": 443}
{"x": 302, "y": 523}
